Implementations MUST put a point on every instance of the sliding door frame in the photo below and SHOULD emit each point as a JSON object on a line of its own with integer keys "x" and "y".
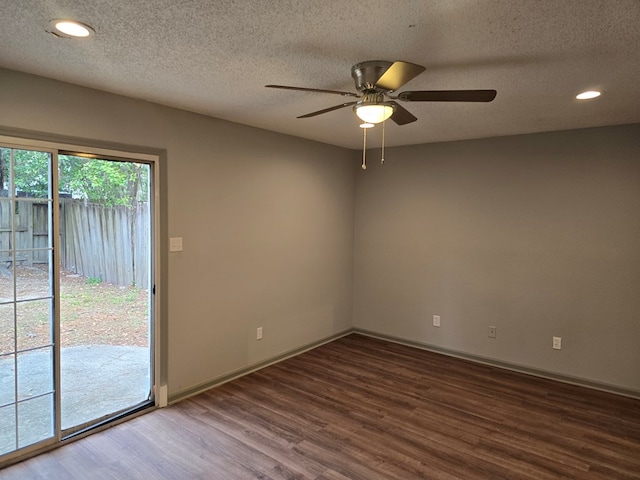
{"x": 82, "y": 148}
{"x": 53, "y": 280}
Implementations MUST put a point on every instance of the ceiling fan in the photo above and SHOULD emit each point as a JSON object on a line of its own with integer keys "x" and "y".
{"x": 376, "y": 81}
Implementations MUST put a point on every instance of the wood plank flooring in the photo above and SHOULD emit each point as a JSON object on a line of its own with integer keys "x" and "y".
{"x": 361, "y": 408}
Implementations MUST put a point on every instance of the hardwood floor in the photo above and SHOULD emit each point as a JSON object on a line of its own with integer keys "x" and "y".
{"x": 361, "y": 408}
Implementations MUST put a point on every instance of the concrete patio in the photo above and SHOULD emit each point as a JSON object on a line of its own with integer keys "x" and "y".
{"x": 96, "y": 380}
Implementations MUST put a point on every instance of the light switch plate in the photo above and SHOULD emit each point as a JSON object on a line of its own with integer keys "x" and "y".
{"x": 175, "y": 244}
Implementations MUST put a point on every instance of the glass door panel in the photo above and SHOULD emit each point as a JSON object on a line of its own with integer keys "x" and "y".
{"x": 26, "y": 299}
{"x": 105, "y": 353}
{"x": 92, "y": 294}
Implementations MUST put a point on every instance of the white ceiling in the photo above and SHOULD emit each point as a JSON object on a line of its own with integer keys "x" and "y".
{"x": 215, "y": 56}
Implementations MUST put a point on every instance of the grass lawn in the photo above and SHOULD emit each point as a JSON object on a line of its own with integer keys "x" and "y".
{"x": 91, "y": 312}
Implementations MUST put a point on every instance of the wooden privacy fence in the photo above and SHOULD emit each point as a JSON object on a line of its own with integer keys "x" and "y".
{"x": 106, "y": 243}
{"x": 30, "y": 221}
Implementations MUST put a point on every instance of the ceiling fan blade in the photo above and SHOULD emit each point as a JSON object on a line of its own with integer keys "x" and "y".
{"x": 398, "y": 74}
{"x": 448, "y": 96}
{"x": 401, "y": 115}
{"x": 325, "y": 110}
{"x": 317, "y": 90}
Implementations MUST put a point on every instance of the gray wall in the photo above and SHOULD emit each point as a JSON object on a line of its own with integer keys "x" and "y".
{"x": 534, "y": 234}
{"x": 538, "y": 235}
{"x": 267, "y": 222}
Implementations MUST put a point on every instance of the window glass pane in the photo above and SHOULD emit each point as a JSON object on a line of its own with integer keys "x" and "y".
{"x": 6, "y": 222}
{"x": 33, "y": 282}
{"x": 6, "y": 284}
{"x": 31, "y": 224}
{"x": 7, "y": 429}
{"x": 35, "y": 420}
{"x": 35, "y": 373}
{"x": 6, "y": 253}
{"x": 5, "y": 162}
{"x": 31, "y": 174}
{"x": 34, "y": 324}
{"x": 7, "y": 380}
{"x": 7, "y": 344}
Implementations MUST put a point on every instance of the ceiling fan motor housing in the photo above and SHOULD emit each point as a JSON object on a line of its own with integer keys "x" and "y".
{"x": 366, "y": 74}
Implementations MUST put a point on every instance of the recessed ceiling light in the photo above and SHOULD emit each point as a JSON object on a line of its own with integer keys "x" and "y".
{"x": 588, "y": 94}
{"x": 71, "y": 29}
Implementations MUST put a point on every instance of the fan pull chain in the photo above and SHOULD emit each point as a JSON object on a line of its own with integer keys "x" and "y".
{"x": 364, "y": 148}
{"x": 382, "y": 159}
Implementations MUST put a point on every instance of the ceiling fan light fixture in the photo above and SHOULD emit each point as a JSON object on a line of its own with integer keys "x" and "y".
{"x": 373, "y": 112}
{"x": 589, "y": 94}
{"x": 71, "y": 29}
{"x": 367, "y": 125}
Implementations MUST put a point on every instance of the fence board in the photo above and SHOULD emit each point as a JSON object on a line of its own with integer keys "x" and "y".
{"x": 5, "y": 230}
{"x": 106, "y": 243}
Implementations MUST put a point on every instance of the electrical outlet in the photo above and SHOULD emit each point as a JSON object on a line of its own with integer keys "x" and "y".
{"x": 259, "y": 333}
{"x": 436, "y": 320}
{"x": 492, "y": 332}
{"x": 557, "y": 343}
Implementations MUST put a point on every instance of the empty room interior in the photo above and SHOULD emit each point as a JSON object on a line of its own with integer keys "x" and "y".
{"x": 452, "y": 293}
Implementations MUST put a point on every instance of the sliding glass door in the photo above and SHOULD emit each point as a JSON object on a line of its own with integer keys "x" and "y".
{"x": 104, "y": 288}
{"x": 27, "y": 331}
{"x": 76, "y": 293}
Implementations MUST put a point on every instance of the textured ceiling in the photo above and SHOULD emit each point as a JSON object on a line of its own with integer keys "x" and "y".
{"x": 214, "y": 57}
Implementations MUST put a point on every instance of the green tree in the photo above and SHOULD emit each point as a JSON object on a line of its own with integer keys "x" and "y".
{"x": 105, "y": 182}
{"x": 30, "y": 173}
